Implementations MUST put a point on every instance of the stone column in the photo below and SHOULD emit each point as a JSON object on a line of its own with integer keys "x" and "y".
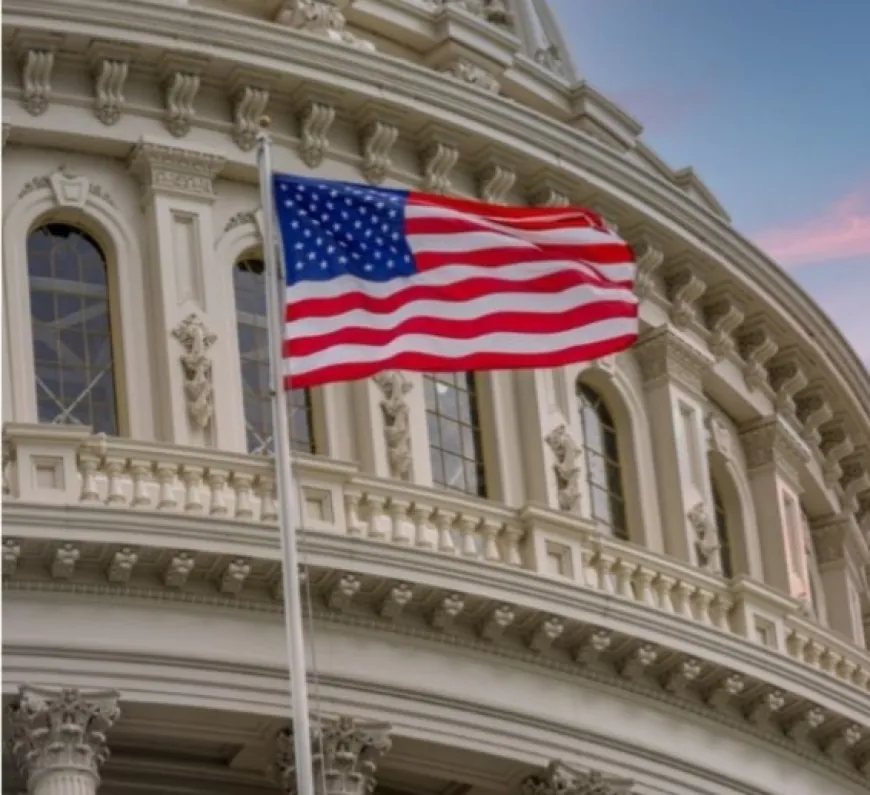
{"x": 673, "y": 378}
{"x": 346, "y": 751}
{"x": 191, "y": 295}
{"x": 58, "y": 738}
{"x": 773, "y": 457}
{"x": 560, "y": 779}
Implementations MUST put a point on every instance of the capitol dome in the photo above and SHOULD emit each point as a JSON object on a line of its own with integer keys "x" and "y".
{"x": 644, "y": 575}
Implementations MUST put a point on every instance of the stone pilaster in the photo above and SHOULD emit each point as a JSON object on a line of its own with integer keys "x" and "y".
{"x": 839, "y": 550}
{"x": 345, "y": 753}
{"x": 774, "y": 456}
{"x": 58, "y": 738}
{"x": 560, "y": 779}
{"x": 188, "y": 290}
{"x": 673, "y": 378}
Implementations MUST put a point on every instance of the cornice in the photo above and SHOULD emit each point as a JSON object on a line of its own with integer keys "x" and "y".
{"x": 186, "y": 30}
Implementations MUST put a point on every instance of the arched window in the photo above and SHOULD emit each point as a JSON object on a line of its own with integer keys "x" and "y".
{"x": 603, "y": 470}
{"x": 70, "y": 315}
{"x": 250, "y": 293}
{"x": 721, "y": 518}
{"x": 454, "y": 432}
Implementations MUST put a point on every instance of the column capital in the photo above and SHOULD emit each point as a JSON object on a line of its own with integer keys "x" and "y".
{"x": 174, "y": 170}
{"x": 836, "y": 538}
{"x": 345, "y": 753}
{"x": 560, "y": 779}
{"x": 666, "y": 357}
{"x": 61, "y": 731}
{"x": 769, "y": 442}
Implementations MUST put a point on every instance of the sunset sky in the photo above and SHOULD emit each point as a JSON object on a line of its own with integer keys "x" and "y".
{"x": 769, "y": 100}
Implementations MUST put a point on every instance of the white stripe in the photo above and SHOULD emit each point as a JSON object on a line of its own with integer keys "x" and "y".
{"x": 543, "y": 304}
{"x": 449, "y": 242}
{"x": 576, "y": 234}
{"x": 499, "y": 342}
{"x": 452, "y": 274}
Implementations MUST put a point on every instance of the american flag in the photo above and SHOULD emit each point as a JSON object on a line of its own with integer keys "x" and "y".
{"x": 380, "y": 279}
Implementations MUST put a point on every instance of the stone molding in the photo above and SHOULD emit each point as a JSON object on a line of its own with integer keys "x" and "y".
{"x": 664, "y": 357}
{"x": 769, "y": 442}
{"x": 174, "y": 171}
{"x": 196, "y": 340}
{"x": 62, "y": 735}
{"x": 560, "y": 779}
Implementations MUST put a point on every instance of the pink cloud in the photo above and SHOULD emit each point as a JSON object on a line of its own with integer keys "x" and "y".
{"x": 839, "y": 232}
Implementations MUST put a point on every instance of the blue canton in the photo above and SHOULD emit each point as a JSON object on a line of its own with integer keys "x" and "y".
{"x": 330, "y": 229}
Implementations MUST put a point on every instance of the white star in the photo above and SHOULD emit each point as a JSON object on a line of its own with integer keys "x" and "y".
{"x": 312, "y": 255}
{"x": 367, "y": 267}
{"x": 299, "y": 246}
{"x": 389, "y": 263}
{"x": 342, "y": 260}
{"x": 324, "y": 264}
{"x": 330, "y": 249}
{"x": 306, "y": 232}
{"x": 294, "y": 224}
{"x": 288, "y": 203}
{"x": 283, "y": 187}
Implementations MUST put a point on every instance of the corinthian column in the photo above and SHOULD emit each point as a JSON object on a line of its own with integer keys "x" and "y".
{"x": 58, "y": 738}
{"x": 345, "y": 750}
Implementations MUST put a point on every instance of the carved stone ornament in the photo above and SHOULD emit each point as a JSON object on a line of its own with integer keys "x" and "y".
{"x": 770, "y": 443}
{"x": 110, "y": 75}
{"x": 723, "y": 314}
{"x": 566, "y": 467}
{"x": 174, "y": 170}
{"x": 36, "y": 69}
{"x": 474, "y": 75}
{"x": 649, "y": 260}
{"x": 397, "y": 425}
{"x": 551, "y": 59}
{"x": 345, "y": 754}
{"x": 196, "y": 340}
{"x": 787, "y": 378}
{"x": 248, "y": 109}
{"x": 706, "y": 539}
{"x": 181, "y": 89}
{"x": 61, "y": 732}
{"x": 496, "y": 182}
{"x": 757, "y": 348}
{"x": 684, "y": 288}
{"x": 315, "y": 122}
{"x": 813, "y": 411}
{"x": 438, "y": 159}
{"x": 718, "y": 435}
{"x": 559, "y": 779}
{"x": 377, "y": 140}
{"x": 320, "y": 18}
{"x": 494, "y": 11}
{"x": 69, "y": 189}
{"x": 664, "y": 356}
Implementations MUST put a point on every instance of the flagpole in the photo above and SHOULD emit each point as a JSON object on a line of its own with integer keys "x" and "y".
{"x": 284, "y": 476}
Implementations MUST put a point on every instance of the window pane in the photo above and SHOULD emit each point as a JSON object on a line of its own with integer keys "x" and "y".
{"x": 252, "y": 327}
{"x": 603, "y": 468}
{"x": 71, "y": 325}
{"x": 454, "y": 435}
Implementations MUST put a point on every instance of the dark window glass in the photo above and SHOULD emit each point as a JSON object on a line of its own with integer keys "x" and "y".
{"x": 250, "y": 293}
{"x": 454, "y": 432}
{"x": 603, "y": 470}
{"x": 722, "y": 533}
{"x": 72, "y": 335}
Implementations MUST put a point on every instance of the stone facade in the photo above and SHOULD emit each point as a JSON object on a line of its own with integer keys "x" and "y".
{"x": 623, "y": 577}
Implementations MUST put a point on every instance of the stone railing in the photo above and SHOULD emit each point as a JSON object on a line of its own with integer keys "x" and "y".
{"x": 63, "y": 466}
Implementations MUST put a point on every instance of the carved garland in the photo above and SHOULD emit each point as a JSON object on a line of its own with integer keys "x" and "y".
{"x": 196, "y": 340}
{"x": 397, "y": 426}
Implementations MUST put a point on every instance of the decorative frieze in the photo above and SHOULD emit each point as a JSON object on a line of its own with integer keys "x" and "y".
{"x": 11, "y": 555}
{"x": 175, "y": 171}
{"x": 559, "y": 779}
{"x": 566, "y": 468}
{"x": 315, "y": 121}
{"x": 835, "y": 445}
{"x": 439, "y": 155}
{"x": 496, "y": 182}
{"x": 178, "y": 570}
{"x": 110, "y": 66}
{"x": 398, "y": 597}
{"x": 36, "y": 65}
{"x": 234, "y": 576}
{"x": 61, "y": 735}
{"x": 378, "y": 137}
{"x": 769, "y": 442}
{"x": 813, "y": 410}
{"x": 757, "y": 348}
{"x": 495, "y": 624}
{"x": 342, "y": 593}
{"x": 249, "y": 107}
{"x": 546, "y": 634}
{"x": 446, "y": 611}
{"x": 320, "y": 18}
{"x": 494, "y": 11}
{"x": 663, "y": 356}
{"x": 397, "y": 423}
{"x": 469, "y": 72}
{"x": 787, "y": 377}
{"x": 120, "y": 568}
{"x": 548, "y": 191}
{"x": 345, "y": 753}
{"x": 68, "y": 189}
{"x": 723, "y": 314}
{"x": 854, "y": 481}
{"x": 196, "y": 341}
{"x": 684, "y": 288}
{"x": 807, "y": 722}
{"x": 181, "y": 78}
{"x": 63, "y": 564}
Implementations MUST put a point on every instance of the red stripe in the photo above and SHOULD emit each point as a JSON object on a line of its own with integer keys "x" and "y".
{"x": 519, "y": 321}
{"x": 422, "y": 362}
{"x": 505, "y": 214}
{"x": 457, "y": 291}
{"x": 439, "y": 225}
{"x": 602, "y": 255}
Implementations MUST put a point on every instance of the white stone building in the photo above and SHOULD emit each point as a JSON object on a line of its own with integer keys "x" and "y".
{"x": 652, "y": 569}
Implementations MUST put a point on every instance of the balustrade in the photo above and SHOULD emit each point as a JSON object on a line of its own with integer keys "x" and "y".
{"x": 62, "y": 466}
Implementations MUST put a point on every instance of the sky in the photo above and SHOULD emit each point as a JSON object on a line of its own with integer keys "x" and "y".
{"x": 769, "y": 101}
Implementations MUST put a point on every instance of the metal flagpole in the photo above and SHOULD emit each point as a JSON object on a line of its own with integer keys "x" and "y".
{"x": 284, "y": 476}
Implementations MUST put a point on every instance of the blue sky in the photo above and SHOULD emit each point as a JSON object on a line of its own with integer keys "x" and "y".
{"x": 769, "y": 101}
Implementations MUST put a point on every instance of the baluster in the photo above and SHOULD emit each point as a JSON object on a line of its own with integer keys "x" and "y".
{"x": 351, "y": 512}
{"x": 375, "y": 517}
{"x": 139, "y": 471}
{"x": 422, "y": 535}
{"x": 398, "y": 510}
{"x": 511, "y": 538}
{"x": 603, "y": 565}
{"x": 444, "y": 522}
{"x": 663, "y": 586}
{"x": 703, "y": 600}
{"x": 266, "y": 493}
{"x": 721, "y": 611}
{"x": 681, "y": 596}
{"x": 115, "y": 487}
{"x": 468, "y": 535}
{"x": 643, "y": 579}
{"x": 192, "y": 477}
{"x": 490, "y": 529}
{"x": 217, "y": 501}
{"x": 243, "y": 486}
{"x": 166, "y": 478}
{"x": 813, "y": 652}
{"x": 88, "y": 466}
{"x": 623, "y": 571}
